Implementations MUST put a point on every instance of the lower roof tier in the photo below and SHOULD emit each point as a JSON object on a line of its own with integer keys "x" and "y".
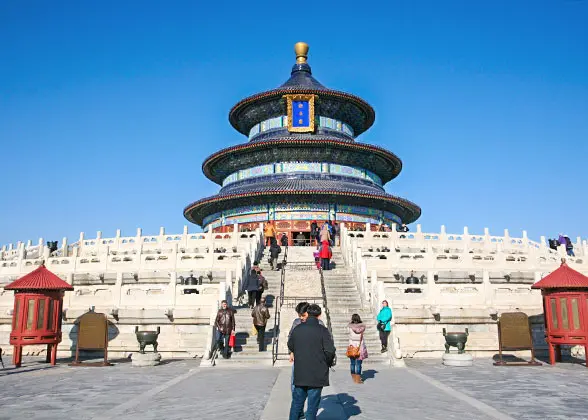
{"x": 298, "y": 216}
{"x": 220, "y": 165}
{"x": 406, "y": 211}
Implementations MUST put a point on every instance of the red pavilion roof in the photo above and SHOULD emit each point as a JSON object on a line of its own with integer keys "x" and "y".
{"x": 39, "y": 279}
{"x": 563, "y": 277}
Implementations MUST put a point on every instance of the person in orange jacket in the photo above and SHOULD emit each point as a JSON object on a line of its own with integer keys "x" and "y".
{"x": 269, "y": 231}
{"x": 325, "y": 253}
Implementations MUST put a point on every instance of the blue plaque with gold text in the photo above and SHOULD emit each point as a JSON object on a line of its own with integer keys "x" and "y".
{"x": 300, "y": 113}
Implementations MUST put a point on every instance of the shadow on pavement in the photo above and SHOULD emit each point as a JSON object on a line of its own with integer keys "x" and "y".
{"x": 348, "y": 402}
{"x": 369, "y": 374}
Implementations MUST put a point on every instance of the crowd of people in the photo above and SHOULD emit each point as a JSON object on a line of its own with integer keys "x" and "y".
{"x": 565, "y": 241}
{"x": 310, "y": 343}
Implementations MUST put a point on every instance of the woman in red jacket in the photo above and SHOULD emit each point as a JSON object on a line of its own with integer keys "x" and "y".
{"x": 325, "y": 254}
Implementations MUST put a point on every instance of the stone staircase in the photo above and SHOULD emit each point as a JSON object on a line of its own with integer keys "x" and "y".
{"x": 246, "y": 349}
{"x": 343, "y": 300}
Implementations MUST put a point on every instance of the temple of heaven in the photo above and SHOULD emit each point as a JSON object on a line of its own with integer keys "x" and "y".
{"x": 301, "y": 162}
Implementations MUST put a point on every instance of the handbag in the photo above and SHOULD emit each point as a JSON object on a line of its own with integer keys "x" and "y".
{"x": 381, "y": 326}
{"x": 353, "y": 351}
{"x": 253, "y": 330}
{"x": 232, "y": 340}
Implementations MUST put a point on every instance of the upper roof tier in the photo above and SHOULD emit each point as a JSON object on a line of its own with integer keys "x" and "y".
{"x": 329, "y": 103}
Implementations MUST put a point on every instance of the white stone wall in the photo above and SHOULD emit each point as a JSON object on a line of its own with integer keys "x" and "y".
{"x": 466, "y": 281}
{"x": 136, "y": 281}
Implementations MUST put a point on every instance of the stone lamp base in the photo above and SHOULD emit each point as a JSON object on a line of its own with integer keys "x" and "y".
{"x": 145, "y": 359}
{"x": 456, "y": 359}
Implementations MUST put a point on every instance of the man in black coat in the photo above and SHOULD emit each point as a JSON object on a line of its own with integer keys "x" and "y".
{"x": 314, "y": 352}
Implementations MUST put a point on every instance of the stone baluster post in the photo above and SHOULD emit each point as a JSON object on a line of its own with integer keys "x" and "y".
{"x": 20, "y": 255}
{"x": 363, "y": 277}
{"x": 173, "y": 288}
{"x": 466, "y": 240}
{"x": 139, "y": 241}
{"x": 543, "y": 243}
{"x": 526, "y": 246}
{"x": 418, "y": 235}
{"x": 185, "y": 236}
{"x": 229, "y": 282}
{"x": 373, "y": 289}
{"x": 64, "y": 246}
{"x": 443, "y": 236}
{"x": 506, "y": 240}
{"x": 239, "y": 275}
{"x": 210, "y": 239}
{"x": 117, "y": 290}
{"x": 235, "y": 235}
{"x": 161, "y": 239}
{"x": 487, "y": 243}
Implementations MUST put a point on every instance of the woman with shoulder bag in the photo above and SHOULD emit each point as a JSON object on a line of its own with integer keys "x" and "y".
{"x": 356, "y": 351}
{"x": 384, "y": 318}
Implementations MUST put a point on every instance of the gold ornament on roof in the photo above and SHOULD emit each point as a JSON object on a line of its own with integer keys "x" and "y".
{"x": 301, "y": 50}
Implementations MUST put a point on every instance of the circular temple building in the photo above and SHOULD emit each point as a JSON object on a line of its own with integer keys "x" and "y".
{"x": 301, "y": 162}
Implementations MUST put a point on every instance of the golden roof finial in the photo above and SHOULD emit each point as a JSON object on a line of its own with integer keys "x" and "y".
{"x": 301, "y": 50}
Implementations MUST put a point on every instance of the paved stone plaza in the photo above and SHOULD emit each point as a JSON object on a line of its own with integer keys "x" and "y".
{"x": 181, "y": 389}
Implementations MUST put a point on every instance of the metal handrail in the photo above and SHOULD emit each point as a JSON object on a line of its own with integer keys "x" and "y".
{"x": 278, "y": 309}
{"x": 325, "y": 305}
{"x": 326, "y": 308}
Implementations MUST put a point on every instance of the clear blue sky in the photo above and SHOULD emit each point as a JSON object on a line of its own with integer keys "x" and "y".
{"x": 107, "y": 109}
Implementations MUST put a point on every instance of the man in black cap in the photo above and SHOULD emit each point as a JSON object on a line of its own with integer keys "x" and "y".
{"x": 314, "y": 352}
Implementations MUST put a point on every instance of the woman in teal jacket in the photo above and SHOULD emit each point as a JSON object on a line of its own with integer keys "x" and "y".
{"x": 384, "y": 318}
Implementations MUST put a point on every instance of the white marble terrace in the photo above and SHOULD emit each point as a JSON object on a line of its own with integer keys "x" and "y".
{"x": 466, "y": 280}
{"x": 135, "y": 280}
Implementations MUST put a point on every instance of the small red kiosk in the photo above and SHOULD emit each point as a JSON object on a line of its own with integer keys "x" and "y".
{"x": 36, "y": 319}
{"x": 565, "y": 306}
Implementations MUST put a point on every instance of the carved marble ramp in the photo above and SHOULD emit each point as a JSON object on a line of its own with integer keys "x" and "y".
{"x": 246, "y": 352}
{"x": 343, "y": 300}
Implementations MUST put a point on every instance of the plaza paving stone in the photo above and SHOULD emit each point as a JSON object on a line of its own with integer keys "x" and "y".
{"x": 523, "y": 392}
{"x": 180, "y": 389}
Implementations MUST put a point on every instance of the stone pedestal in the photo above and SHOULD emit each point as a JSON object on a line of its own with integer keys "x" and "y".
{"x": 146, "y": 359}
{"x": 456, "y": 359}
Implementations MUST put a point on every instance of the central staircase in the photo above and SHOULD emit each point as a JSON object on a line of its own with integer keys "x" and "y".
{"x": 344, "y": 300}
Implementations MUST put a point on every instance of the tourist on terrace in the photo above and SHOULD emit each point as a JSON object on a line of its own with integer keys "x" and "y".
{"x": 314, "y": 232}
{"x": 274, "y": 253}
{"x": 284, "y": 240}
{"x": 300, "y": 239}
{"x": 251, "y": 286}
{"x": 225, "y": 327}
{"x": 384, "y": 318}
{"x": 331, "y": 232}
{"x": 260, "y": 316}
{"x": 326, "y": 254}
{"x": 269, "y": 232}
{"x": 357, "y": 350}
{"x": 336, "y": 233}
{"x": 263, "y": 286}
{"x": 569, "y": 246}
{"x": 325, "y": 234}
{"x": 314, "y": 352}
